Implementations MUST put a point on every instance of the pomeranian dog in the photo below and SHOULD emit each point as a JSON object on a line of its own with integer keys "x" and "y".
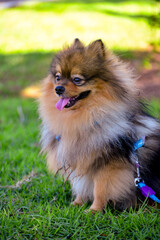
{"x": 92, "y": 119}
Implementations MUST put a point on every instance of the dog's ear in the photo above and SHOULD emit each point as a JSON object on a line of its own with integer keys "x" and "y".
{"x": 77, "y": 44}
{"x": 98, "y": 47}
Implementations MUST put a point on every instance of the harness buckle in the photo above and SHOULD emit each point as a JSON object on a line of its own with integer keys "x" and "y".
{"x": 137, "y": 180}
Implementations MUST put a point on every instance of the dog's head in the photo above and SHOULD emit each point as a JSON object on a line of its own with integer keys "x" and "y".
{"x": 80, "y": 72}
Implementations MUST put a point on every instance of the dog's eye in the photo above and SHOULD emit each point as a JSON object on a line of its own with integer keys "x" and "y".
{"x": 58, "y": 77}
{"x": 77, "y": 81}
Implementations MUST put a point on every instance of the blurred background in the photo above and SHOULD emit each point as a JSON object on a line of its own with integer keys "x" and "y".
{"x": 31, "y": 32}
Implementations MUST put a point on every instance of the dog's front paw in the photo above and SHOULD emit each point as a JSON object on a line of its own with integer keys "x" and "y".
{"x": 95, "y": 208}
{"x": 93, "y": 211}
{"x": 77, "y": 202}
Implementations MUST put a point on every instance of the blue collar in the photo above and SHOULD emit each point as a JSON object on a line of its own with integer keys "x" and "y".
{"x": 138, "y": 144}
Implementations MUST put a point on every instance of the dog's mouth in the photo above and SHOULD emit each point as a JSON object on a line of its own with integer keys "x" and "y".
{"x": 69, "y": 102}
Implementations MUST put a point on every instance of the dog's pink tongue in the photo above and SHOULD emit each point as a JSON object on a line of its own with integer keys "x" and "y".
{"x": 62, "y": 103}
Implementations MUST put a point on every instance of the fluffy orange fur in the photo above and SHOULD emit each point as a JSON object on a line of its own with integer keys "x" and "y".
{"x": 88, "y": 127}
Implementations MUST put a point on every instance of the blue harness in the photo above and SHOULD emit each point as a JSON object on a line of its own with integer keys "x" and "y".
{"x": 145, "y": 190}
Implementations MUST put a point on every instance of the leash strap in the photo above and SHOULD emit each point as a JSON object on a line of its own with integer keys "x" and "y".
{"x": 145, "y": 190}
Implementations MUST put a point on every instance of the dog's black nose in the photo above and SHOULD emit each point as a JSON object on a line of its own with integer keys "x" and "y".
{"x": 59, "y": 90}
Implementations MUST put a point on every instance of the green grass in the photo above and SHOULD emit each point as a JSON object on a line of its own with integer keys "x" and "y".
{"x": 21, "y": 70}
{"x": 48, "y": 26}
{"x": 40, "y": 209}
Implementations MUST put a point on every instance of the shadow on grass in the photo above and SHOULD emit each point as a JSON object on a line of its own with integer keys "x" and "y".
{"x": 152, "y": 19}
{"x": 19, "y": 71}
{"x": 126, "y": 15}
{"x": 52, "y": 5}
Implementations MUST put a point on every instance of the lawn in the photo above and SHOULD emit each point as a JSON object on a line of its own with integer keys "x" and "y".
{"x": 38, "y": 207}
{"x": 34, "y": 204}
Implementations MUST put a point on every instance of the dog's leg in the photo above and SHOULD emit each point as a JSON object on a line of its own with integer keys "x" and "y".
{"x": 113, "y": 182}
{"x": 99, "y": 192}
{"x": 78, "y": 201}
{"x": 99, "y": 196}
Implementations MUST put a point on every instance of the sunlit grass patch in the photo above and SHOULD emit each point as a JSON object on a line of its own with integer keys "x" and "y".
{"x": 48, "y": 26}
{"x": 31, "y": 34}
